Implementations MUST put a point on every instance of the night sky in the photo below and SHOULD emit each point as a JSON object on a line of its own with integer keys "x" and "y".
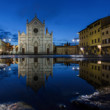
{"x": 64, "y": 17}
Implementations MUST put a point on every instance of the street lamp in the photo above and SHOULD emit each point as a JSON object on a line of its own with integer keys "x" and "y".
{"x": 4, "y": 40}
{"x": 75, "y": 40}
{"x": 0, "y": 51}
{"x": 9, "y": 40}
{"x": 81, "y": 49}
{"x": 99, "y": 62}
{"x": 99, "y": 46}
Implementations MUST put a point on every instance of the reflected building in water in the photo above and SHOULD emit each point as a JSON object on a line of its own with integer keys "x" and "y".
{"x": 36, "y": 70}
{"x": 96, "y": 73}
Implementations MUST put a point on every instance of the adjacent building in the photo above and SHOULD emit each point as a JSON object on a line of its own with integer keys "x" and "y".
{"x": 5, "y": 48}
{"x": 96, "y": 73}
{"x": 66, "y": 50}
{"x": 91, "y": 37}
{"x": 106, "y": 40}
{"x": 36, "y": 40}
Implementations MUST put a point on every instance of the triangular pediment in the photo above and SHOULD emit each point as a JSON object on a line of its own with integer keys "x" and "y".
{"x": 35, "y": 19}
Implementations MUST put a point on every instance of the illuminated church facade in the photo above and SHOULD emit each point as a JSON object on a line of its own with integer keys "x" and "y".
{"x": 36, "y": 40}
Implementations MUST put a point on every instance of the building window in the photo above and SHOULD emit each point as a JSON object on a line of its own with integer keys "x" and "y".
{"x": 102, "y": 33}
{"x": 95, "y": 31}
{"x": 109, "y": 68}
{"x": 106, "y": 32}
{"x": 35, "y": 59}
{"x": 98, "y": 39}
{"x": 99, "y": 68}
{"x": 109, "y": 40}
{"x": 92, "y": 41}
{"x": 98, "y": 30}
{"x": 95, "y": 40}
{"x": 103, "y": 42}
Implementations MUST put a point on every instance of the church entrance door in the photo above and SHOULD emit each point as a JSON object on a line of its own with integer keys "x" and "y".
{"x": 35, "y": 50}
{"x": 48, "y": 51}
{"x": 23, "y": 51}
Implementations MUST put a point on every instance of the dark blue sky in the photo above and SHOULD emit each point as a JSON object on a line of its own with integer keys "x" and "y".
{"x": 64, "y": 17}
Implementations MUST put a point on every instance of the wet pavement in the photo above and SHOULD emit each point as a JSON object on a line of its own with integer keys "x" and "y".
{"x": 54, "y": 83}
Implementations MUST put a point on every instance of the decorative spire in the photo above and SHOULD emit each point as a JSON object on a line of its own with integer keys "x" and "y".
{"x": 46, "y": 30}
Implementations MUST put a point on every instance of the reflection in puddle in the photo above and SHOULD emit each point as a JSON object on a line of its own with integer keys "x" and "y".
{"x": 35, "y": 71}
{"x": 47, "y": 83}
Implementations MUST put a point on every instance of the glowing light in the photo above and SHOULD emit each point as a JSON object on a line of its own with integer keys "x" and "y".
{"x": 99, "y": 46}
{"x": 77, "y": 68}
{"x": 4, "y": 40}
{"x": 77, "y": 40}
{"x": 73, "y": 68}
{"x": 9, "y": 40}
{"x": 81, "y": 49}
{"x": 73, "y": 40}
{"x": 99, "y": 62}
{"x": 10, "y": 69}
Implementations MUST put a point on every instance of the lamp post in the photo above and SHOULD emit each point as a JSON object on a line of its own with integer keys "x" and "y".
{"x": 75, "y": 40}
{"x": 7, "y": 40}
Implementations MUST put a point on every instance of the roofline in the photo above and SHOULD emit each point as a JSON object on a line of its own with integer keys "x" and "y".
{"x": 93, "y": 23}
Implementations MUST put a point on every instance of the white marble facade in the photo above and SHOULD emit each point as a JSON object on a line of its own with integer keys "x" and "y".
{"x": 36, "y": 70}
{"x": 36, "y": 40}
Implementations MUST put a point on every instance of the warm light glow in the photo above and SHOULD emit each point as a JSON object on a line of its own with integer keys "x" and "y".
{"x": 99, "y": 62}
{"x": 0, "y": 50}
{"x": 81, "y": 49}
{"x": 99, "y": 46}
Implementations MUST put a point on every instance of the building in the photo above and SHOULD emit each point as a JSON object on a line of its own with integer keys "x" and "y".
{"x": 91, "y": 37}
{"x": 66, "y": 50}
{"x": 35, "y": 41}
{"x": 5, "y": 48}
{"x": 106, "y": 40}
{"x": 95, "y": 73}
{"x": 36, "y": 70}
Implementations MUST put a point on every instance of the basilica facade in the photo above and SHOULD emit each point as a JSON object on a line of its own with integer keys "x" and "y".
{"x": 37, "y": 40}
{"x": 36, "y": 70}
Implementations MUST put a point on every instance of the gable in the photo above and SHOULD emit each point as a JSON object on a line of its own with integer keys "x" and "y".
{"x": 35, "y": 21}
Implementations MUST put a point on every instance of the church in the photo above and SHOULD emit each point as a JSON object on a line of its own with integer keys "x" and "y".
{"x": 37, "y": 39}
